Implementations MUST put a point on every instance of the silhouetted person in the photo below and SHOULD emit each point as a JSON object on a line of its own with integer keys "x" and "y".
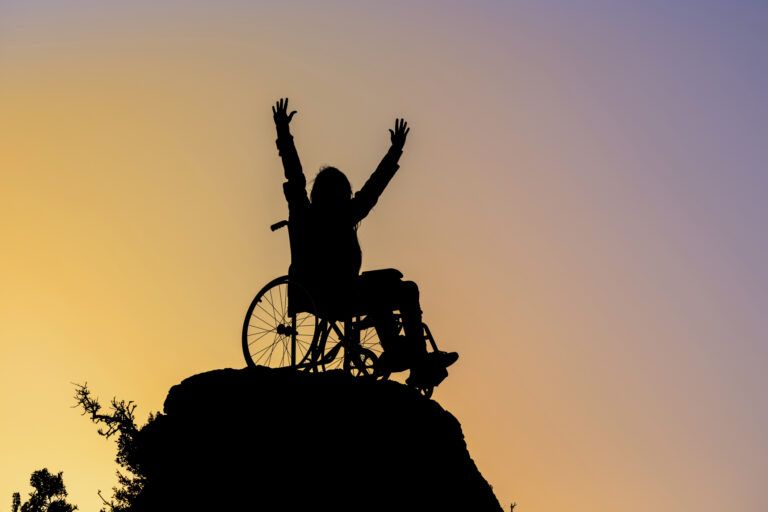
{"x": 326, "y": 255}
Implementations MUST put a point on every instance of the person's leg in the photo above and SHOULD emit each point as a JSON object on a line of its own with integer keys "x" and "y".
{"x": 386, "y": 327}
{"x": 410, "y": 312}
{"x": 374, "y": 298}
{"x": 427, "y": 369}
{"x": 379, "y": 294}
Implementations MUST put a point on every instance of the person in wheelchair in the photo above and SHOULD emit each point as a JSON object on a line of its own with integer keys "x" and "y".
{"x": 326, "y": 255}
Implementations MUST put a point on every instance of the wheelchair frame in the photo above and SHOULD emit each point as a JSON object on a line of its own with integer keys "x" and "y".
{"x": 276, "y": 336}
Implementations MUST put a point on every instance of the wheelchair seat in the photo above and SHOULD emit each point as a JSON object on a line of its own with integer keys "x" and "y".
{"x": 307, "y": 301}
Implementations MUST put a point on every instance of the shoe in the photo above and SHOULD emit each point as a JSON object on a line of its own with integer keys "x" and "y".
{"x": 429, "y": 374}
{"x": 444, "y": 359}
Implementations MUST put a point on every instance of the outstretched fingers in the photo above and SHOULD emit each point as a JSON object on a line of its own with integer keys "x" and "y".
{"x": 400, "y": 132}
{"x": 280, "y": 106}
{"x": 280, "y": 111}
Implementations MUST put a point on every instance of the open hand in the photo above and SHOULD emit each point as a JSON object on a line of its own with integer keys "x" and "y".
{"x": 280, "y": 113}
{"x": 399, "y": 134}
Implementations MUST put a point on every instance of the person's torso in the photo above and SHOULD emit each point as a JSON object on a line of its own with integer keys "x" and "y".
{"x": 325, "y": 253}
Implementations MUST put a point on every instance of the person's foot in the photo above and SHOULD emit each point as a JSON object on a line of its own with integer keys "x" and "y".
{"x": 445, "y": 359}
{"x": 397, "y": 357}
{"x": 428, "y": 374}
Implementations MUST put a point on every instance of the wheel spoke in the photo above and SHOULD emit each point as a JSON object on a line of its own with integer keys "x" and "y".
{"x": 268, "y": 320}
{"x": 274, "y": 320}
{"x": 271, "y": 301}
{"x": 282, "y": 354}
{"x": 264, "y": 349}
{"x": 282, "y": 305}
{"x": 283, "y": 309}
{"x": 272, "y": 350}
{"x": 259, "y": 331}
{"x": 307, "y": 317}
{"x": 257, "y": 339}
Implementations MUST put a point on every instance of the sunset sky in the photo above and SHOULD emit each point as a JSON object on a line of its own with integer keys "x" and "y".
{"x": 582, "y": 200}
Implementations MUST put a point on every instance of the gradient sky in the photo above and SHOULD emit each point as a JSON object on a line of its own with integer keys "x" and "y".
{"x": 581, "y": 199}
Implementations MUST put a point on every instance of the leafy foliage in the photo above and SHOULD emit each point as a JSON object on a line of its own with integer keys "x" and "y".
{"x": 121, "y": 421}
{"x": 48, "y": 494}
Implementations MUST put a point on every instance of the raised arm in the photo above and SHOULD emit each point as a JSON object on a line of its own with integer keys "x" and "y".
{"x": 367, "y": 197}
{"x": 295, "y": 186}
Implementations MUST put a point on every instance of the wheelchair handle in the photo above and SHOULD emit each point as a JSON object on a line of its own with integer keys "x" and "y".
{"x": 278, "y": 225}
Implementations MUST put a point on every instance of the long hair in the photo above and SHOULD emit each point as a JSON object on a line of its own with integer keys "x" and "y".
{"x": 330, "y": 189}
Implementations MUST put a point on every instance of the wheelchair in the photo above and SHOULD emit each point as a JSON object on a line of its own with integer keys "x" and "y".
{"x": 283, "y": 328}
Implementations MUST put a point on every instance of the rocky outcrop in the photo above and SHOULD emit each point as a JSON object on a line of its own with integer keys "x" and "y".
{"x": 265, "y": 439}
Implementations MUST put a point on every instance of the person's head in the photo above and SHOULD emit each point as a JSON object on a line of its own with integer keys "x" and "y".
{"x": 331, "y": 188}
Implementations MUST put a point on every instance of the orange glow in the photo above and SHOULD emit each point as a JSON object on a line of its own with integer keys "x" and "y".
{"x": 140, "y": 175}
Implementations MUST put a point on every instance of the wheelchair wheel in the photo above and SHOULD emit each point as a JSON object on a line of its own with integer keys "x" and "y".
{"x": 359, "y": 361}
{"x": 369, "y": 339}
{"x": 330, "y": 348}
{"x": 274, "y": 337}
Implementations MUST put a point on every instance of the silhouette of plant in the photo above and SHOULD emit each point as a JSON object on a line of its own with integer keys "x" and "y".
{"x": 119, "y": 420}
{"x": 48, "y": 495}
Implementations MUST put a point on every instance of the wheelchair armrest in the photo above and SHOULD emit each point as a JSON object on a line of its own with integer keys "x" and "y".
{"x": 384, "y": 274}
